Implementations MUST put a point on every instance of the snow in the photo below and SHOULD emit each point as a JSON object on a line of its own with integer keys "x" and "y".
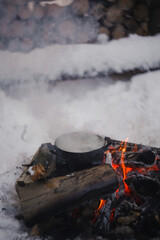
{"x": 54, "y": 61}
{"x": 31, "y": 171}
{"x": 33, "y": 113}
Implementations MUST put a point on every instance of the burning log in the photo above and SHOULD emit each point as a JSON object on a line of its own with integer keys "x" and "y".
{"x": 144, "y": 186}
{"x": 63, "y": 193}
{"x": 144, "y": 158}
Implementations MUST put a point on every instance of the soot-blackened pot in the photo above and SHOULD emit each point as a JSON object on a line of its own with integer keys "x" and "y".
{"x": 78, "y": 150}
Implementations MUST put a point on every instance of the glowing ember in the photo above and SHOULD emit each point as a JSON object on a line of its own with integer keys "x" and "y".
{"x": 112, "y": 215}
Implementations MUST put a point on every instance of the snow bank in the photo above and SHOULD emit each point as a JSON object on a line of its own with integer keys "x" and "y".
{"x": 53, "y": 62}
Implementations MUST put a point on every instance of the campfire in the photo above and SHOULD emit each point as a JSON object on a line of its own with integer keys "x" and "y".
{"x": 134, "y": 208}
{"x": 115, "y": 194}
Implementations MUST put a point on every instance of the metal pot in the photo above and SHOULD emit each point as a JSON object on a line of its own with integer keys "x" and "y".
{"x": 78, "y": 150}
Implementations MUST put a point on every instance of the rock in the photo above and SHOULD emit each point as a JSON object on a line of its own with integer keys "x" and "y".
{"x": 67, "y": 31}
{"x": 98, "y": 11}
{"x": 17, "y": 29}
{"x": 131, "y": 25}
{"x": 141, "y": 12}
{"x": 39, "y": 12}
{"x": 26, "y": 44}
{"x": 114, "y": 14}
{"x": 14, "y": 45}
{"x": 55, "y": 11}
{"x": 24, "y": 13}
{"x": 104, "y": 30}
{"x": 80, "y": 7}
{"x": 126, "y": 4}
{"x": 118, "y": 32}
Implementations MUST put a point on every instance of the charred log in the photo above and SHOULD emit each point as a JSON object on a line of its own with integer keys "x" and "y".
{"x": 144, "y": 186}
{"x": 145, "y": 158}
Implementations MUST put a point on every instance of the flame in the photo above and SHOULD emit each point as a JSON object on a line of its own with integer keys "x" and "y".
{"x": 102, "y": 203}
{"x": 124, "y": 168}
{"x": 97, "y": 211}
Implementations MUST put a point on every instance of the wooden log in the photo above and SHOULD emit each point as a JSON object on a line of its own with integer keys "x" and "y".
{"x": 144, "y": 158}
{"x": 57, "y": 195}
{"x": 130, "y": 146}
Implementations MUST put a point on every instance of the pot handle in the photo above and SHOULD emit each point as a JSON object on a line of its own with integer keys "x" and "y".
{"x": 108, "y": 142}
{"x": 52, "y": 149}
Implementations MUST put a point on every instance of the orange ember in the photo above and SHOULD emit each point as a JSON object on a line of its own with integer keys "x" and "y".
{"x": 112, "y": 215}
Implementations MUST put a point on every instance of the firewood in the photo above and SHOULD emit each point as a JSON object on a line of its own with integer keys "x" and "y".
{"x": 64, "y": 193}
{"x": 80, "y": 7}
{"x": 144, "y": 186}
{"x": 39, "y": 12}
{"x": 145, "y": 158}
{"x": 114, "y": 14}
{"x": 99, "y": 11}
{"x": 141, "y": 12}
{"x": 126, "y": 4}
{"x": 118, "y": 32}
{"x": 24, "y": 13}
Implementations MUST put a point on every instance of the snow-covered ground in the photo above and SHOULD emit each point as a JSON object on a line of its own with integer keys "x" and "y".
{"x": 32, "y": 113}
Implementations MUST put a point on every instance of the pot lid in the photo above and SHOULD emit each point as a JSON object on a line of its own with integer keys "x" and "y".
{"x": 79, "y": 142}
